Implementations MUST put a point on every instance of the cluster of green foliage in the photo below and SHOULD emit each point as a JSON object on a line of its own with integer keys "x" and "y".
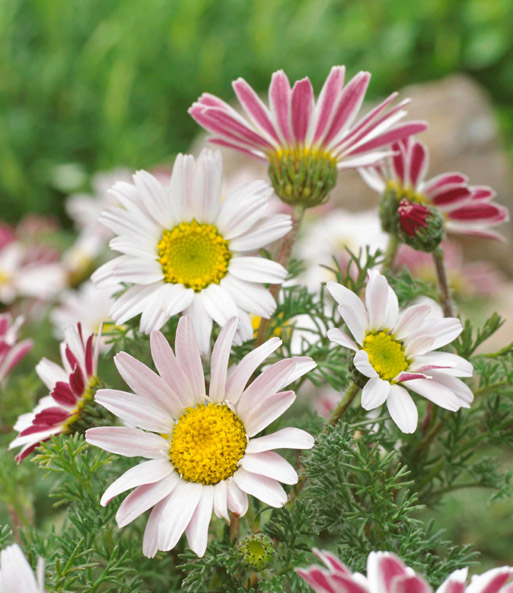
{"x": 90, "y": 85}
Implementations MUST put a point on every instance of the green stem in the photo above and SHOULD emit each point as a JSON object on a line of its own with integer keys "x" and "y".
{"x": 443, "y": 283}
{"x": 343, "y": 404}
{"x": 390, "y": 253}
{"x": 283, "y": 258}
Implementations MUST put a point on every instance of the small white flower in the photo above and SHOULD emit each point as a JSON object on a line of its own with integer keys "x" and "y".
{"x": 185, "y": 249}
{"x": 397, "y": 350}
{"x": 16, "y": 575}
{"x": 203, "y": 452}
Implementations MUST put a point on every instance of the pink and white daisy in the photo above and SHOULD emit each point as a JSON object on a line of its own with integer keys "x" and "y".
{"x": 396, "y": 350}
{"x": 16, "y": 574}
{"x": 12, "y": 352}
{"x": 467, "y": 209}
{"x": 297, "y": 124}
{"x": 386, "y": 573}
{"x": 204, "y": 455}
{"x": 185, "y": 249}
{"x": 71, "y": 387}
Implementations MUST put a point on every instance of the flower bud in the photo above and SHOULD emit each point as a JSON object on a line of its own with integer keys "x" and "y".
{"x": 420, "y": 226}
{"x": 302, "y": 176}
{"x": 257, "y": 551}
{"x": 388, "y": 205}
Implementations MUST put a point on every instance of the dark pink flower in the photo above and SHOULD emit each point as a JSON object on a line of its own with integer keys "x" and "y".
{"x": 11, "y": 351}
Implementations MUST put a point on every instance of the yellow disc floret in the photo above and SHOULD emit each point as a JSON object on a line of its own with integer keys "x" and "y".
{"x": 207, "y": 444}
{"x": 386, "y": 354}
{"x": 404, "y": 192}
{"x": 194, "y": 255}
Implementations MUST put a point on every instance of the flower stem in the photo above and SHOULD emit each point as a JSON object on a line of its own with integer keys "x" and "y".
{"x": 283, "y": 257}
{"x": 390, "y": 253}
{"x": 443, "y": 283}
{"x": 343, "y": 404}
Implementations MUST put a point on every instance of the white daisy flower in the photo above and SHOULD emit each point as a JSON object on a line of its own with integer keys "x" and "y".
{"x": 203, "y": 452}
{"x": 185, "y": 249}
{"x": 16, "y": 575}
{"x": 397, "y": 350}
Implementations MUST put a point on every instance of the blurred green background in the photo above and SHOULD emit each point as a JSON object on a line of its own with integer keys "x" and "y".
{"x": 86, "y": 85}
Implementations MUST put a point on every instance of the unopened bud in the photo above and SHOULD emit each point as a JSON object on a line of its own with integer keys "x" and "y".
{"x": 420, "y": 226}
{"x": 257, "y": 551}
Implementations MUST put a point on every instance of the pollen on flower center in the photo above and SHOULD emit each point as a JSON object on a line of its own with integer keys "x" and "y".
{"x": 386, "y": 354}
{"x": 194, "y": 255}
{"x": 409, "y": 194}
{"x": 207, "y": 444}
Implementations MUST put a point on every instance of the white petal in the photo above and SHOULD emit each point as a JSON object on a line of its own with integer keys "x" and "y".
{"x": 219, "y": 361}
{"x": 362, "y": 364}
{"x": 351, "y": 308}
{"x": 208, "y": 180}
{"x": 180, "y": 186}
{"x": 271, "y": 465}
{"x": 237, "y": 499}
{"x": 271, "y": 408}
{"x": 197, "y": 530}
{"x": 155, "y": 198}
{"x": 419, "y": 344}
{"x": 189, "y": 358}
{"x": 129, "y": 442}
{"x": 402, "y": 409}
{"x": 265, "y": 489}
{"x": 449, "y": 363}
{"x": 221, "y": 501}
{"x": 177, "y": 513}
{"x": 339, "y": 337}
{"x": 249, "y": 296}
{"x": 132, "y": 302}
{"x": 257, "y": 269}
{"x": 201, "y": 321}
{"x": 151, "y": 533}
{"x": 286, "y": 438}
{"x": 438, "y": 393}
{"x": 410, "y": 320}
{"x": 264, "y": 232}
{"x": 374, "y": 393}
{"x": 147, "y": 472}
{"x": 219, "y": 304}
{"x": 376, "y": 300}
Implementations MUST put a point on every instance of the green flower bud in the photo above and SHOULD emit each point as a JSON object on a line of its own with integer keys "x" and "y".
{"x": 257, "y": 551}
{"x": 420, "y": 226}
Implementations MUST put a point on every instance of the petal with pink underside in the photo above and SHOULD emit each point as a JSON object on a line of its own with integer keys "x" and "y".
{"x": 178, "y": 512}
{"x": 402, "y": 409}
{"x": 279, "y": 100}
{"x": 339, "y": 337}
{"x": 188, "y": 356}
{"x": 197, "y": 530}
{"x": 129, "y": 442}
{"x": 265, "y": 489}
{"x": 219, "y": 361}
{"x": 302, "y": 106}
{"x": 266, "y": 411}
{"x": 286, "y": 438}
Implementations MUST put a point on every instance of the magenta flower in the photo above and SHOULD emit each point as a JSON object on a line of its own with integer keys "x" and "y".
{"x": 386, "y": 573}
{"x": 467, "y": 209}
{"x": 11, "y": 351}
{"x": 71, "y": 386}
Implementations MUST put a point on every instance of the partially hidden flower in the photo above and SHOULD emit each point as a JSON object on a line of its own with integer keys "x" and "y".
{"x": 467, "y": 209}
{"x": 12, "y": 352}
{"x": 420, "y": 226}
{"x": 71, "y": 386}
{"x": 397, "y": 352}
{"x": 386, "y": 573}
{"x": 16, "y": 574}
{"x": 204, "y": 455}
{"x": 306, "y": 141}
{"x": 185, "y": 249}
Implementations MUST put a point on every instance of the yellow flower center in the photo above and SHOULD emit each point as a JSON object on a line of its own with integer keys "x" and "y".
{"x": 194, "y": 255}
{"x": 408, "y": 193}
{"x": 5, "y": 278}
{"x": 304, "y": 153}
{"x": 207, "y": 444}
{"x": 386, "y": 354}
{"x": 88, "y": 395}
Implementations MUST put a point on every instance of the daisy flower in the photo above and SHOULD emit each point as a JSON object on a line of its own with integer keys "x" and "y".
{"x": 71, "y": 386}
{"x": 313, "y": 137}
{"x": 386, "y": 573}
{"x": 396, "y": 350}
{"x": 204, "y": 455}
{"x": 11, "y": 351}
{"x": 16, "y": 575}
{"x": 467, "y": 209}
{"x": 185, "y": 249}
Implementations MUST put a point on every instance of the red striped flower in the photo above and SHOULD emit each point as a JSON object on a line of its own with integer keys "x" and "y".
{"x": 71, "y": 386}
{"x": 467, "y": 209}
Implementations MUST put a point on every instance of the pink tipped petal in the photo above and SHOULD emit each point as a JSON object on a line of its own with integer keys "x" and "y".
{"x": 375, "y": 393}
{"x": 279, "y": 100}
{"x": 267, "y": 490}
{"x": 271, "y": 465}
{"x": 129, "y": 442}
{"x": 331, "y": 561}
{"x": 220, "y": 359}
{"x": 411, "y": 583}
{"x": 402, "y": 409}
{"x": 197, "y": 530}
{"x": 491, "y": 581}
{"x": 382, "y": 569}
{"x": 151, "y": 533}
{"x": 248, "y": 365}
{"x": 398, "y": 133}
{"x": 342, "y": 339}
{"x": 286, "y": 438}
{"x": 318, "y": 579}
{"x": 455, "y": 582}
{"x": 302, "y": 109}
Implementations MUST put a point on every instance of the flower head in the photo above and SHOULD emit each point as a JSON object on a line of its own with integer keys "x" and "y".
{"x": 185, "y": 249}
{"x": 467, "y": 209}
{"x": 420, "y": 226}
{"x": 11, "y": 351}
{"x": 397, "y": 350}
{"x": 306, "y": 141}
{"x": 71, "y": 388}
{"x": 16, "y": 575}
{"x": 386, "y": 573}
{"x": 203, "y": 452}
